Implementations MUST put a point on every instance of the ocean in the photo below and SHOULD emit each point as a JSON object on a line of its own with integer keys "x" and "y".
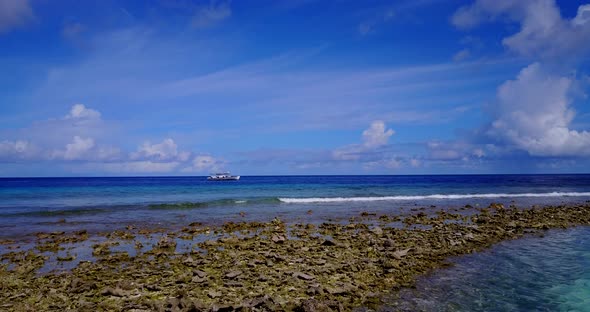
{"x": 30, "y": 205}
{"x": 549, "y": 273}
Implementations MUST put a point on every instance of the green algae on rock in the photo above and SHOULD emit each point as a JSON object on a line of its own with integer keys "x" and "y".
{"x": 266, "y": 266}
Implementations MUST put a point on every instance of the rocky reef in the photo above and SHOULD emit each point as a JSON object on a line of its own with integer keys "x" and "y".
{"x": 260, "y": 266}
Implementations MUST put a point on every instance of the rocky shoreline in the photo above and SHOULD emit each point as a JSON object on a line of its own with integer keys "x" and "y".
{"x": 260, "y": 266}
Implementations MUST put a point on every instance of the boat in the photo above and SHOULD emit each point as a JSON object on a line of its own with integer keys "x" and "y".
{"x": 222, "y": 176}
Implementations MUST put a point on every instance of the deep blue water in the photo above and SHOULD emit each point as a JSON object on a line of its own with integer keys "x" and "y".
{"x": 28, "y": 205}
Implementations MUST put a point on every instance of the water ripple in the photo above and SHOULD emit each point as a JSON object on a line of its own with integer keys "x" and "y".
{"x": 550, "y": 273}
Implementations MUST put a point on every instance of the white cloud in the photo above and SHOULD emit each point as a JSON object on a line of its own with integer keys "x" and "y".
{"x": 13, "y": 147}
{"x": 414, "y": 162}
{"x": 82, "y": 149}
{"x": 454, "y": 150}
{"x": 312, "y": 165}
{"x": 80, "y": 121}
{"x": 183, "y": 156}
{"x": 392, "y": 163}
{"x": 583, "y": 16}
{"x": 479, "y": 153}
{"x": 347, "y": 153}
{"x": 373, "y": 138}
{"x": 376, "y": 135}
{"x": 46, "y": 142}
{"x": 107, "y": 153}
{"x": 212, "y": 14}
{"x": 481, "y": 11}
{"x": 543, "y": 32}
{"x": 387, "y": 163}
{"x": 79, "y": 111}
{"x": 165, "y": 150}
{"x": 203, "y": 163}
{"x": 78, "y": 149}
{"x": 439, "y": 151}
{"x": 533, "y": 114}
{"x": 370, "y": 153}
{"x": 14, "y": 13}
{"x": 143, "y": 166}
{"x": 71, "y": 137}
{"x": 445, "y": 154}
{"x": 462, "y": 55}
{"x": 19, "y": 149}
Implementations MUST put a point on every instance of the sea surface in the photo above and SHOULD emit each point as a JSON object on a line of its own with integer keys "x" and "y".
{"x": 29, "y": 205}
{"x": 548, "y": 273}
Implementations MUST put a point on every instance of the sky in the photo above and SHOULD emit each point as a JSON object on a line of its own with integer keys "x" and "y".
{"x": 293, "y": 87}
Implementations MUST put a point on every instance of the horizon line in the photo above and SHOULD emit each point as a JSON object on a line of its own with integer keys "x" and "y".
{"x": 292, "y": 175}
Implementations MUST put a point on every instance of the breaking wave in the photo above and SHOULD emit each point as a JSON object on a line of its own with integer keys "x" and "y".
{"x": 232, "y": 202}
{"x": 421, "y": 197}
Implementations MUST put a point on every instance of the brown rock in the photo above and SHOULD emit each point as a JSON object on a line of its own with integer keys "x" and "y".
{"x": 377, "y": 231}
{"x": 398, "y": 254}
{"x": 214, "y": 294}
{"x": 303, "y": 276}
{"x": 200, "y": 273}
{"x": 314, "y": 305}
{"x": 198, "y": 280}
{"x": 279, "y": 239}
{"x": 233, "y": 274}
{"x": 117, "y": 292}
{"x": 389, "y": 243}
{"x": 329, "y": 242}
{"x": 233, "y": 284}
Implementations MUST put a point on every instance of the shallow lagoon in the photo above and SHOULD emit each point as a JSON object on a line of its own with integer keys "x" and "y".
{"x": 535, "y": 273}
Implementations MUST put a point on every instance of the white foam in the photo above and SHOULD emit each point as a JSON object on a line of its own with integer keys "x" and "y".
{"x": 420, "y": 197}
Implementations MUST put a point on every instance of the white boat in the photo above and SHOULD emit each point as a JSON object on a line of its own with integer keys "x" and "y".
{"x": 222, "y": 176}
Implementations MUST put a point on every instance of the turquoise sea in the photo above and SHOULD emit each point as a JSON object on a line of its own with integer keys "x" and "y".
{"x": 547, "y": 273}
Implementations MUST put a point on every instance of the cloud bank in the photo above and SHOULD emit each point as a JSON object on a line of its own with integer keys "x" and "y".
{"x": 543, "y": 31}
{"x": 533, "y": 112}
{"x": 88, "y": 152}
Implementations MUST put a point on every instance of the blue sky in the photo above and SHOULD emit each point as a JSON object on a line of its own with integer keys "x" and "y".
{"x": 179, "y": 87}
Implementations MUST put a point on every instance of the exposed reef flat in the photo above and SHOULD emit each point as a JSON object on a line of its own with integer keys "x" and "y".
{"x": 257, "y": 266}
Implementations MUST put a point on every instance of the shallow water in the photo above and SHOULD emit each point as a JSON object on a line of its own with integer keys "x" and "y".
{"x": 549, "y": 273}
